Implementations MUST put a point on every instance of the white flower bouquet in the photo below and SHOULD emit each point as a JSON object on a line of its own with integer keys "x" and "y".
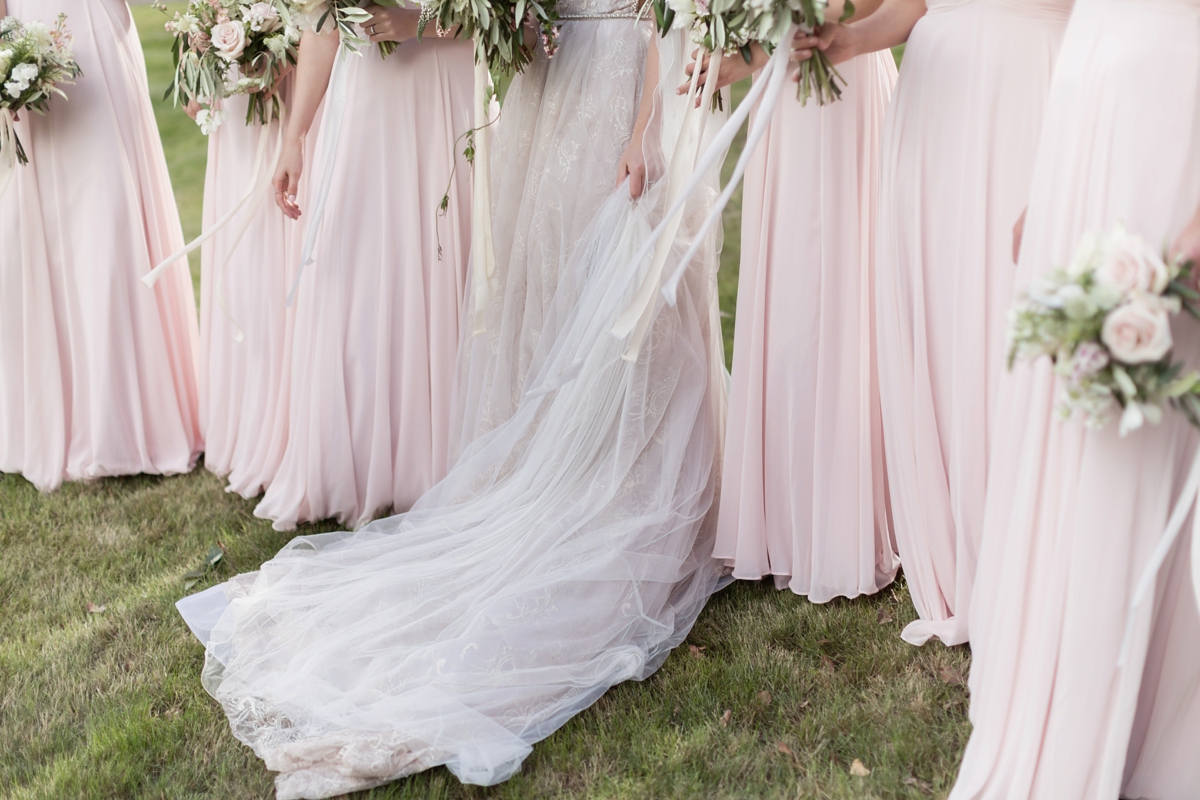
{"x": 35, "y": 60}
{"x": 232, "y": 47}
{"x": 1105, "y": 322}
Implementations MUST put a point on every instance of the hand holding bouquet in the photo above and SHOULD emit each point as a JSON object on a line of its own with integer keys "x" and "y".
{"x": 35, "y": 60}
{"x": 349, "y": 17}
{"x": 1104, "y": 321}
{"x": 497, "y": 26}
{"x": 232, "y": 47}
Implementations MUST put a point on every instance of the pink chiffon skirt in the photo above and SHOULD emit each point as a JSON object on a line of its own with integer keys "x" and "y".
{"x": 1072, "y": 514}
{"x": 97, "y": 371}
{"x": 245, "y": 324}
{"x": 958, "y": 151}
{"x": 378, "y": 313}
{"x": 803, "y": 493}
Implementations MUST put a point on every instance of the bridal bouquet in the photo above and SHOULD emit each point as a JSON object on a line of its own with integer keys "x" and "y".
{"x": 232, "y": 47}
{"x": 35, "y": 60}
{"x": 1104, "y": 321}
{"x": 497, "y": 26}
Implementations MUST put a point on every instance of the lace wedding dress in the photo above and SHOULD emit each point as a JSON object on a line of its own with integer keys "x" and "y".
{"x": 567, "y": 551}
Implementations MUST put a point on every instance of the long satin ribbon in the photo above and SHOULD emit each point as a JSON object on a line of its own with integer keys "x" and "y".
{"x": 1138, "y": 627}
{"x": 483, "y": 245}
{"x": 8, "y": 147}
{"x": 331, "y": 134}
{"x": 773, "y": 75}
{"x": 258, "y": 179}
{"x": 636, "y": 319}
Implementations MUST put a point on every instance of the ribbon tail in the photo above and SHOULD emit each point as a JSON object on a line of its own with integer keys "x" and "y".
{"x": 775, "y": 72}
{"x": 8, "y": 148}
{"x": 331, "y": 134}
{"x": 259, "y": 188}
{"x": 483, "y": 245}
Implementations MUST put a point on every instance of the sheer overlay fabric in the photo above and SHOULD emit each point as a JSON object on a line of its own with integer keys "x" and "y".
{"x": 567, "y": 551}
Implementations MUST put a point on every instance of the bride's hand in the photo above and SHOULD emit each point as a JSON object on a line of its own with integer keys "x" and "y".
{"x": 733, "y": 69}
{"x": 391, "y": 24}
{"x": 838, "y": 42}
{"x": 633, "y": 166}
{"x": 287, "y": 178}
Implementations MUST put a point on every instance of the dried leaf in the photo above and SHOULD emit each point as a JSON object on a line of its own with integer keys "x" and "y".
{"x": 783, "y": 748}
{"x": 884, "y": 617}
{"x": 909, "y": 781}
{"x": 92, "y": 608}
{"x": 827, "y": 663}
{"x": 697, "y": 652}
{"x": 764, "y": 698}
{"x": 951, "y": 676}
{"x": 728, "y": 715}
{"x": 860, "y": 769}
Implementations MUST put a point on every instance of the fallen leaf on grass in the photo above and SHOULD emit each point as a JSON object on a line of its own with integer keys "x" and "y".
{"x": 697, "y": 652}
{"x": 764, "y": 698}
{"x": 951, "y": 676}
{"x": 884, "y": 616}
{"x": 827, "y": 663}
{"x": 783, "y": 748}
{"x": 860, "y": 769}
{"x": 92, "y": 608}
{"x": 728, "y": 715}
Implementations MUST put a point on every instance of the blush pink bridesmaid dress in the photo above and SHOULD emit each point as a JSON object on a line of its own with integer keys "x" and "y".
{"x": 97, "y": 372}
{"x": 804, "y": 496}
{"x": 378, "y": 312}
{"x": 958, "y": 151}
{"x": 1073, "y": 515}
{"x": 245, "y": 324}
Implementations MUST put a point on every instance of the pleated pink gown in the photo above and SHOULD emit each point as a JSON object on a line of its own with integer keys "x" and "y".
{"x": 1073, "y": 515}
{"x": 378, "y": 313}
{"x": 804, "y": 496}
{"x": 958, "y": 151}
{"x": 245, "y": 324}
{"x": 97, "y": 371}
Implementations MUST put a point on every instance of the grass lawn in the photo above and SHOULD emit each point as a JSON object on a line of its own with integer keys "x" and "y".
{"x": 99, "y": 678}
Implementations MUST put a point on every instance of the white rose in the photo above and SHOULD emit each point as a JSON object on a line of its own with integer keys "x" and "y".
{"x": 1129, "y": 264}
{"x": 1138, "y": 332}
{"x": 263, "y": 18}
{"x": 684, "y": 9}
{"x": 230, "y": 39}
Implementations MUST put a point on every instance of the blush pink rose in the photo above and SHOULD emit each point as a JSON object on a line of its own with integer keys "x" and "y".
{"x": 1138, "y": 332}
{"x": 1128, "y": 264}
{"x": 230, "y": 40}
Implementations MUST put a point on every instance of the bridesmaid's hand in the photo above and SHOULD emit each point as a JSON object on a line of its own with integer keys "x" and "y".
{"x": 287, "y": 178}
{"x": 633, "y": 166}
{"x": 1018, "y": 234}
{"x": 192, "y": 109}
{"x": 733, "y": 69}
{"x": 838, "y": 42}
{"x": 391, "y": 24}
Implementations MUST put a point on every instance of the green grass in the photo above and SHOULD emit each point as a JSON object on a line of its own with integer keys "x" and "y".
{"x": 107, "y": 703}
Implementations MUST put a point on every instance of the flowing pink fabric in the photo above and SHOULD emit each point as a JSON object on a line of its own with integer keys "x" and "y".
{"x": 804, "y": 497}
{"x": 243, "y": 291}
{"x": 958, "y": 151}
{"x": 97, "y": 372}
{"x": 1073, "y": 515}
{"x": 377, "y": 314}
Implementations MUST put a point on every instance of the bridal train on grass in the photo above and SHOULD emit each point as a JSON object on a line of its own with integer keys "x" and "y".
{"x": 567, "y": 551}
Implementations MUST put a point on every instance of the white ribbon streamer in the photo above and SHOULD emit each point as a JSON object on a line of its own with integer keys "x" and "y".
{"x": 331, "y": 135}
{"x": 1138, "y": 627}
{"x": 483, "y": 246}
{"x": 259, "y": 178}
{"x": 773, "y": 75}
{"x": 636, "y": 319}
{"x": 8, "y": 147}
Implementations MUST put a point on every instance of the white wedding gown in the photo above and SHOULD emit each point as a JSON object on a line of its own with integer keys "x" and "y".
{"x": 567, "y": 551}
